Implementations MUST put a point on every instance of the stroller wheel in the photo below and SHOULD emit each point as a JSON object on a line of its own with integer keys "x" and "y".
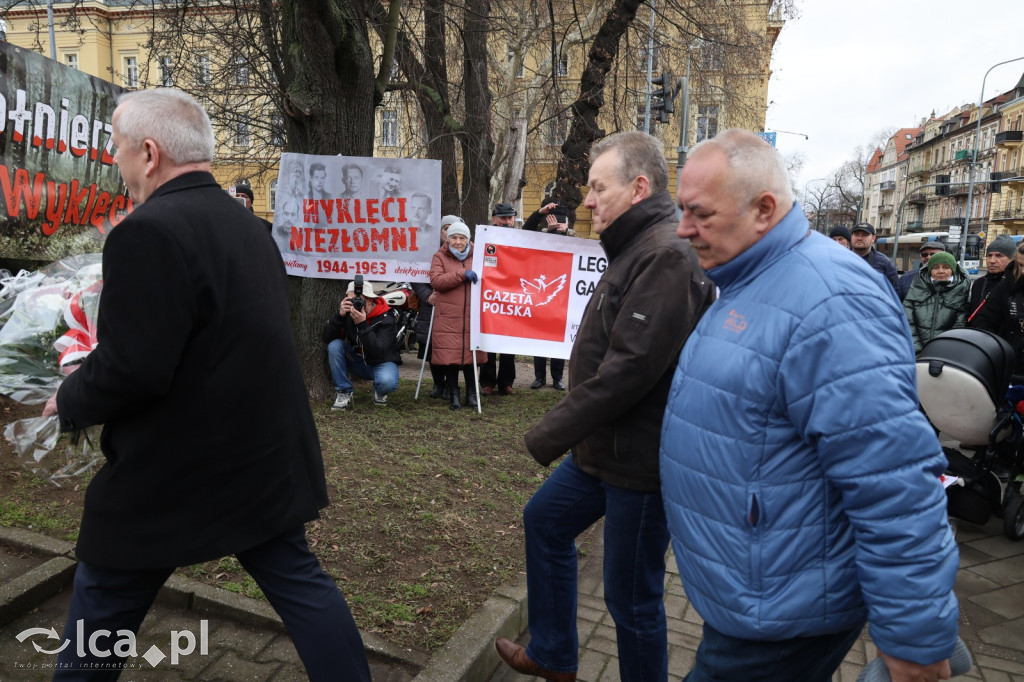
{"x": 1013, "y": 515}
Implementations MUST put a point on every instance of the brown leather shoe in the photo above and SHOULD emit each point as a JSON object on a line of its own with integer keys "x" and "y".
{"x": 515, "y": 656}
{"x": 487, "y": 390}
{"x": 507, "y": 390}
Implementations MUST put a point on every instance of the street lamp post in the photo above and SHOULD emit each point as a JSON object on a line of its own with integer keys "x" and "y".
{"x": 974, "y": 161}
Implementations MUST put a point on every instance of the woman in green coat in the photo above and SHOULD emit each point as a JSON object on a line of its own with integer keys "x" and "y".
{"x": 937, "y": 301}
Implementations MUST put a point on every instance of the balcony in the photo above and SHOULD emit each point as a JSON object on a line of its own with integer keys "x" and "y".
{"x": 885, "y": 209}
{"x": 959, "y": 190}
{"x": 1010, "y": 138}
{"x": 916, "y": 199}
{"x": 964, "y": 155}
{"x": 949, "y": 222}
{"x": 915, "y": 225}
{"x": 920, "y": 169}
{"x": 997, "y": 186}
{"x": 887, "y": 185}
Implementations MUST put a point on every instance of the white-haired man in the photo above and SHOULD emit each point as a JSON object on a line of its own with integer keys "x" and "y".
{"x": 801, "y": 481}
{"x": 194, "y": 301}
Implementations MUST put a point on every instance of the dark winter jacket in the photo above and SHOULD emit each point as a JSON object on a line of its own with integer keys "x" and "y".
{"x": 450, "y": 338}
{"x": 375, "y": 338}
{"x": 905, "y": 281}
{"x": 1003, "y": 314}
{"x": 981, "y": 288}
{"x": 193, "y": 317}
{"x": 643, "y": 308}
{"x": 423, "y": 292}
{"x": 880, "y": 262}
{"x": 936, "y": 307}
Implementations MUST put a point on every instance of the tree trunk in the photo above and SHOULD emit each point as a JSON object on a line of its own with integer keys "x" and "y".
{"x": 574, "y": 165}
{"x": 329, "y": 101}
{"x": 477, "y": 143}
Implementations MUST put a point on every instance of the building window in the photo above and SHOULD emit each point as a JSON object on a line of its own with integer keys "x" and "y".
{"x": 241, "y": 71}
{"x": 166, "y": 72}
{"x": 273, "y": 195}
{"x": 711, "y": 57}
{"x": 71, "y": 60}
{"x": 655, "y": 58}
{"x": 277, "y": 129}
{"x": 558, "y": 127}
{"x": 389, "y": 128}
{"x": 131, "y": 72}
{"x": 707, "y": 122}
{"x": 242, "y": 132}
{"x": 563, "y": 67}
{"x": 203, "y": 72}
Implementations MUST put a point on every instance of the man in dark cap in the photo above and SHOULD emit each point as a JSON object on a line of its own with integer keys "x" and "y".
{"x": 906, "y": 280}
{"x": 552, "y": 218}
{"x": 998, "y": 256}
{"x": 498, "y": 374}
{"x": 863, "y": 243}
{"x": 841, "y": 234}
{"x": 503, "y": 215}
{"x": 244, "y": 190}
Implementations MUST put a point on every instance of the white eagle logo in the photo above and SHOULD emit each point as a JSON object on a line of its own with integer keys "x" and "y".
{"x": 541, "y": 287}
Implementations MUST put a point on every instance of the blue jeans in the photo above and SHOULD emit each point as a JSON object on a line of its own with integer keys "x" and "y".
{"x": 344, "y": 360}
{"x": 809, "y": 659}
{"x": 635, "y": 542}
{"x": 306, "y": 598}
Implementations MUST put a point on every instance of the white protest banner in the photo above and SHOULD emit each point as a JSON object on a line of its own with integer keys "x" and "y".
{"x": 341, "y": 216}
{"x": 533, "y": 290}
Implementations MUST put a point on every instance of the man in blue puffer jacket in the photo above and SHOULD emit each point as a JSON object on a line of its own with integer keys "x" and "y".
{"x": 800, "y": 479}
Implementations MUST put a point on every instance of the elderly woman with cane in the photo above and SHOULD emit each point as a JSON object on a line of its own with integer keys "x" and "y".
{"x": 451, "y": 277}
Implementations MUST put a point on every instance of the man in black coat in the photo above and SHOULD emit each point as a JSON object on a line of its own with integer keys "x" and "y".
{"x": 193, "y": 316}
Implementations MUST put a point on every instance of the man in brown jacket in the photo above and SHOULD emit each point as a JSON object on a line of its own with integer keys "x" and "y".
{"x": 646, "y": 303}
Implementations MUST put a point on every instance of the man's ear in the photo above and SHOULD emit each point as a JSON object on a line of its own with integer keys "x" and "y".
{"x": 765, "y": 205}
{"x": 152, "y": 156}
{"x": 641, "y": 189}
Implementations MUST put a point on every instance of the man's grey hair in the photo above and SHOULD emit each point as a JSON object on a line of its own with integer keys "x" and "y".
{"x": 754, "y": 165}
{"x": 639, "y": 154}
{"x": 172, "y": 119}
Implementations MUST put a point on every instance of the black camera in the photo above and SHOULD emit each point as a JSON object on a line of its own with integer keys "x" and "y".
{"x": 358, "y": 303}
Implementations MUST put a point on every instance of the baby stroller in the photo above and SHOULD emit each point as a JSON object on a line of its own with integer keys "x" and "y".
{"x": 962, "y": 381}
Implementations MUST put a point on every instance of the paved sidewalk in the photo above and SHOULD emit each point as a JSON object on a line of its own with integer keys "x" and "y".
{"x": 990, "y": 586}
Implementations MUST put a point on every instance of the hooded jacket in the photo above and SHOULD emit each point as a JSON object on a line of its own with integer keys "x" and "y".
{"x": 936, "y": 307}
{"x": 649, "y": 298}
{"x": 375, "y": 338}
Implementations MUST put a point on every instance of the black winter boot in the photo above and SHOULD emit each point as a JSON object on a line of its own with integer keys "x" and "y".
{"x": 471, "y": 400}
{"x": 455, "y": 404}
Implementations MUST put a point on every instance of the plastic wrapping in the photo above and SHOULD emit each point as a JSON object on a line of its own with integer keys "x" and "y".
{"x": 58, "y": 300}
{"x": 46, "y": 452}
{"x": 48, "y": 322}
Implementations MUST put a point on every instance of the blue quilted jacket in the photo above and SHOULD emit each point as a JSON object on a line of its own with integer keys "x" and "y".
{"x": 799, "y": 477}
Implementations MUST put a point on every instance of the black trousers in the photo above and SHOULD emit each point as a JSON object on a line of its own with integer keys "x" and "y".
{"x": 500, "y": 371}
{"x": 306, "y": 598}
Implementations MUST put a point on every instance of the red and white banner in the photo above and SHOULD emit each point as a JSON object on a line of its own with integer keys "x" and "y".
{"x": 340, "y": 216}
{"x": 532, "y": 291}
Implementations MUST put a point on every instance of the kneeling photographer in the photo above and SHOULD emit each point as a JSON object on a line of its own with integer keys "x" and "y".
{"x": 361, "y": 343}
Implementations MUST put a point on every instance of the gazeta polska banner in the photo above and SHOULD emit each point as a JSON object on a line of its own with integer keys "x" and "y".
{"x": 61, "y": 192}
{"x": 532, "y": 291}
{"x": 341, "y": 216}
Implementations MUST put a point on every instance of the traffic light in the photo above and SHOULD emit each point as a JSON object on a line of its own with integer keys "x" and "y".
{"x": 661, "y": 99}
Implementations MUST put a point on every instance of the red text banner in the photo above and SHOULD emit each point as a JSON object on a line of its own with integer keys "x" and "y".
{"x": 339, "y": 216}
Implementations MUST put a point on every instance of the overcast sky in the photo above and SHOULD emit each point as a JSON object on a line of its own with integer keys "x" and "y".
{"x": 843, "y": 71}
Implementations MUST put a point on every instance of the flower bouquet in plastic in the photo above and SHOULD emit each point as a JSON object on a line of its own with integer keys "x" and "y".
{"x": 48, "y": 320}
